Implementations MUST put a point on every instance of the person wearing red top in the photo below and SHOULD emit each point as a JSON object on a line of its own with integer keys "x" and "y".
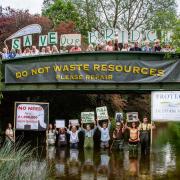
{"x": 75, "y": 49}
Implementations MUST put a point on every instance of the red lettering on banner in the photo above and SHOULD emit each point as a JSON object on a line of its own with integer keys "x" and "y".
{"x": 35, "y": 108}
{"x": 21, "y": 108}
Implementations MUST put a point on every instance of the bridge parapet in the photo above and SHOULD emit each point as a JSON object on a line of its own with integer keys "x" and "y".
{"x": 93, "y": 71}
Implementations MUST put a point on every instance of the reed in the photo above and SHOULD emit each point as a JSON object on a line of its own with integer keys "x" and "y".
{"x": 18, "y": 162}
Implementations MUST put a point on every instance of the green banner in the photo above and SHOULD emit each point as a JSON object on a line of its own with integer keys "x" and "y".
{"x": 91, "y": 71}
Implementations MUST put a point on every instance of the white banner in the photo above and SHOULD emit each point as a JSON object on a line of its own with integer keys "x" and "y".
{"x": 102, "y": 113}
{"x": 70, "y": 40}
{"x": 30, "y": 29}
{"x": 165, "y": 106}
{"x": 28, "y": 116}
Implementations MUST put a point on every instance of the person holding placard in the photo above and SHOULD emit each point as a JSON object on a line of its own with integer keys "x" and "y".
{"x": 145, "y": 130}
{"x": 62, "y": 137}
{"x": 51, "y": 135}
{"x": 105, "y": 136}
{"x": 89, "y": 133}
{"x": 134, "y": 134}
{"x": 74, "y": 139}
{"x": 118, "y": 136}
{"x": 9, "y": 134}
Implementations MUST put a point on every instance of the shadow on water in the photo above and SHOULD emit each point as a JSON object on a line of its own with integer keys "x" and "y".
{"x": 162, "y": 163}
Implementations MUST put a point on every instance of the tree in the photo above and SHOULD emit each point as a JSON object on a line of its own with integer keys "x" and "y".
{"x": 176, "y": 35}
{"x": 12, "y": 20}
{"x": 164, "y": 18}
{"x": 61, "y": 11}
{"x": 130, "y": 14}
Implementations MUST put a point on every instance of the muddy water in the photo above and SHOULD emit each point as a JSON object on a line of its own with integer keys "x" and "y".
{"x": 163, "y": 162}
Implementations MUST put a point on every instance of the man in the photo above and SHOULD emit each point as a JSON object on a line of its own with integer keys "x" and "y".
{"x": 145, "y": 129}
{"x": 157, "y": 47}
{"x": 136, "y": 47}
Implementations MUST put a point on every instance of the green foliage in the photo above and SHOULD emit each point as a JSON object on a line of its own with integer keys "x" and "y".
{"x": 17, "y": 163}
{"x": 62, "y": 11}
{"x": 176, "y": 35}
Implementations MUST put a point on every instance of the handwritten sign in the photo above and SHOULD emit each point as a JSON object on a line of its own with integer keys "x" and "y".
{"x": 87, "y": 117}
{"x": 102, "y": 113}
{"x": 60, "y": 123}
{"x": 70, "y": 40}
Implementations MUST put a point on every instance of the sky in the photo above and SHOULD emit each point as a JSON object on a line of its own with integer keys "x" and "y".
{"x": 35, "y": 6}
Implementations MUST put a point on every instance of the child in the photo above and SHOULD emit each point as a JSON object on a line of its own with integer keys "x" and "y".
{"x": 118, "y": 135}
{"x": 51, "y": 134}
{"x": 105, "y": 137}
{"x": 62, "y": 137}
{"x": 89, "y": 133}
{"x": 134, "y": 133}
{"x": 74, "y": 139}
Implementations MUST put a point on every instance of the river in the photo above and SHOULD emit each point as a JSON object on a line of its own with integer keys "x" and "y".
{"x": 163, "y": 162}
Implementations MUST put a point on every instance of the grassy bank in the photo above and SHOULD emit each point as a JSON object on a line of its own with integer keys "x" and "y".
{"x": 19, "y": 163}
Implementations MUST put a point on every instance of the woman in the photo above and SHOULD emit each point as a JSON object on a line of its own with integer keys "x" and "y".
{"x": 9, "y": 134}
{"x": 51, "y": 134}
{"x": 125, "y": 47}
{"x": 109, "y": 46}
{"x": 54, "y": 49}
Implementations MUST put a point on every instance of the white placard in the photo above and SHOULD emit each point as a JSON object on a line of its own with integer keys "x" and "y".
{"x": 102, "y": 113}
{"x": 70, "y": 40}
{"x": 74, "y": 122}
{"x": 60, "y": 123}
{"x": 165, "y": 106}
{"x": 132, "y": 116}
{"x": 29, "y": 115}
{"x": 87, "y": 117}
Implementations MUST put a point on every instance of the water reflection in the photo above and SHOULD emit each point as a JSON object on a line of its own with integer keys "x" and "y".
{"x": 97, "y": 164}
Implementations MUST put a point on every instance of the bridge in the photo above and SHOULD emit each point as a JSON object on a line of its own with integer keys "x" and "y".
{"x": 92, "y": 71}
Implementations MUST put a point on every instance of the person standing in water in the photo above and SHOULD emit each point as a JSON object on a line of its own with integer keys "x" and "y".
{"x": 105, "y": 137}
{"x": 89, "y": 133}
{"x": 51, "y": 135}
{"x": 74, "y": 139}
{"x": 133, "y": 133}
{"x": 145, "y": 130}
{"x": 118, "y": 136}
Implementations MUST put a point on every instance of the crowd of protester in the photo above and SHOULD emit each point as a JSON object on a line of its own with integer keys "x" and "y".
{"x": 103, "y": 46}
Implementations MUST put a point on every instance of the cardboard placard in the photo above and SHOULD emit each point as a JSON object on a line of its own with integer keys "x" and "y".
{"x": 132, "y": 116}
{"x": 119, "y": 116}
{"x": 74, "y": 122}
{"x": 87, "y": 117}
{"x": 60, "y": 123}
{"x": 102, "y": 113}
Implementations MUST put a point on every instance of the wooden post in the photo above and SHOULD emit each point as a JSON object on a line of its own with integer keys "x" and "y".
{"x": 14, "y": 125}
{"x": 151, "y": 141}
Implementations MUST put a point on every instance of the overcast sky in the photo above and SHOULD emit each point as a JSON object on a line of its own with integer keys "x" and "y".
{"x": 35, "y": 6}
